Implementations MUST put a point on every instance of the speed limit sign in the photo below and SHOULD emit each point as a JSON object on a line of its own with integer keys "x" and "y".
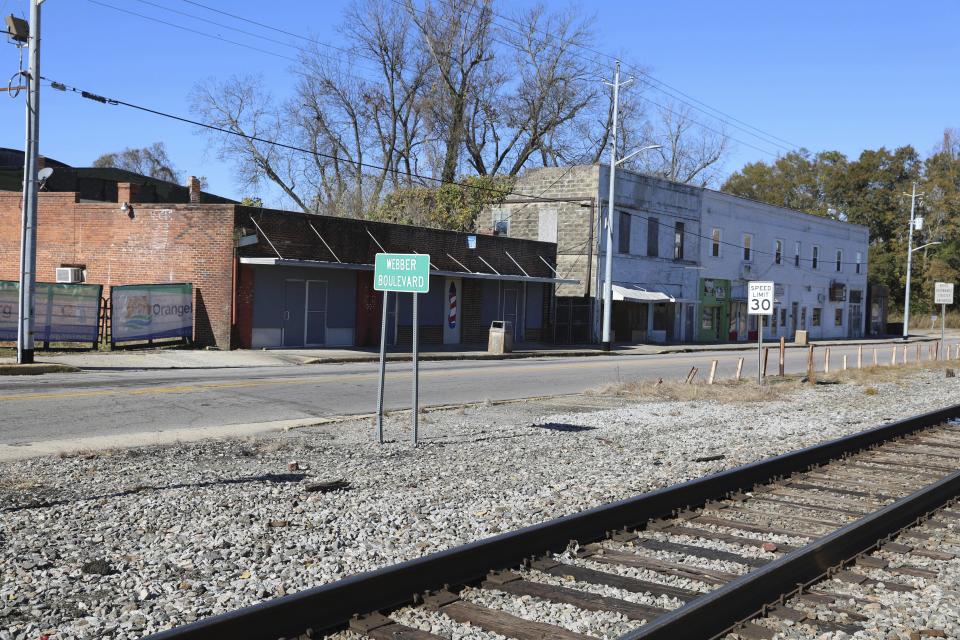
{"x": 760, "y": 298}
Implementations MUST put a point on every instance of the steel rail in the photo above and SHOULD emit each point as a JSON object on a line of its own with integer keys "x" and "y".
{"x": 332, "y": 605}
{"x": 717, "y": 611}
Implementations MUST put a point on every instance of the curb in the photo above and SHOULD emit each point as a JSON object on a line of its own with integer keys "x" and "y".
{"x": 35, "y": 369}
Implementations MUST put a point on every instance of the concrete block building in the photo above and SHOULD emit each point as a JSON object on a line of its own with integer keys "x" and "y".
{"x": 682, "y": 256}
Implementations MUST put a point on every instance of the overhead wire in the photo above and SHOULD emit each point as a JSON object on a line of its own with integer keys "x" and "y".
{"x": 360, "y": 165}
{"x": 645, "y": 74}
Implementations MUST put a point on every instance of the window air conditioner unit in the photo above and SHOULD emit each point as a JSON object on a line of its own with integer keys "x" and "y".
{"x": 69, "y": 275}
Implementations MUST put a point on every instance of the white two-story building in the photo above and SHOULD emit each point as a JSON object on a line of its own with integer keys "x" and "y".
{"x": 682, "y": 256}
{"x": 818, "y": 267}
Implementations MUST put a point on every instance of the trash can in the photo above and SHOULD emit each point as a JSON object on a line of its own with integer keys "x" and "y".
{"x": 501, "y": 337}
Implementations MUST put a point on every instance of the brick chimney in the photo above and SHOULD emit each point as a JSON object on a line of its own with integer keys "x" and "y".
{"x": 128, "y": 192}
{"x": 193, "y": 184}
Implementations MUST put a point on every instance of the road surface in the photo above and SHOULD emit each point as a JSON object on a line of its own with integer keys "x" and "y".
{"x": 110, "y": 403}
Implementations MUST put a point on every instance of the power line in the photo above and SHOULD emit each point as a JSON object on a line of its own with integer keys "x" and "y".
{"x": 360, "y": 165}
{"x": 650, "y": 77}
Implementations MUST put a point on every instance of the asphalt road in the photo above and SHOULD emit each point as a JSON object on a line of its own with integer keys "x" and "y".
{"x": 98, "y": 403}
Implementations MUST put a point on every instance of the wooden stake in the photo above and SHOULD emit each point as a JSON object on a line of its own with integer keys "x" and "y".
{"x": 692, "y": 374}
{"x": 783, "y": 348}
{"x": 766, "y": 356}
{"x": 893, "y": 355}
{"x": 826, "y": 360}
{"x": 860, "y": 357}
{"x": 844, "y": 362}
{"x": 875, "y": 362}
{"x": 713, "y": 371}
{"x": 810, "y": 363}
{"x": 739, "y": 368}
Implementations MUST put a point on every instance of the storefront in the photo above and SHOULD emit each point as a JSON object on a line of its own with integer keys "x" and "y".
{"x": 714, "y": 318}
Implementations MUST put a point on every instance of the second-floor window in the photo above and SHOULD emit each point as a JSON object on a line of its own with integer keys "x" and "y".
{"x": 501, "y": 222}
{"x": 747, "y": 247}
{"x": 778, "y": 251}
{"x": 796, "y": 253}
{"x": 859, "y": 261}
{"x": 839, "y": 260}
{"x": 815, "y": 258}
{"x": 623, "y": 233}
{"x": 678, "y": 241}
{"x": 715, "y": 243}
{"x": 653, "y": 237}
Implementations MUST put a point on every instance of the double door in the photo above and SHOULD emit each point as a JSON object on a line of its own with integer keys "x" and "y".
{"x": 304, "y": 313}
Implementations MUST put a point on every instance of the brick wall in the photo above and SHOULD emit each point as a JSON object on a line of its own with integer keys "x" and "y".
{"x": 160, "y": 243}
{"x": 243, "y": 327}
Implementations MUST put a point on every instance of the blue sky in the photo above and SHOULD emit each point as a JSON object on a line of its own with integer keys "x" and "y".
{"x": 823, "y": 75}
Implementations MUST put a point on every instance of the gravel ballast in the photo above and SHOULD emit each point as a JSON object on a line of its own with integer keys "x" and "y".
{"x": 124, "y": 543}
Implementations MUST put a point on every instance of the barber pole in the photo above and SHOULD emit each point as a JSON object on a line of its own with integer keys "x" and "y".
{"x": 452, "y": 315}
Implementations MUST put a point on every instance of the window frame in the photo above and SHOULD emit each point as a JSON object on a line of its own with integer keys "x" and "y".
{"x": 797, "y": 250}
{"x": 859, "y": 262}
{"x": 839, "y": 260}
{"x": 838, "y": 317}
{"x": 501, "y": 216}
{"x": 747, "y": 246}
{"x": 716, "y": 242}
{"x": 778, "y": 252}
{"x": 816, "y": 316}
{"x": 815, "y": 257}
{"x": 679, "y": 233}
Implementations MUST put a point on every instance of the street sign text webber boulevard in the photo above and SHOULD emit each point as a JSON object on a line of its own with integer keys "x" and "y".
{"x": 401, "y": 272}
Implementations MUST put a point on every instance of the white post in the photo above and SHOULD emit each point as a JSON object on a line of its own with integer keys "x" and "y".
{"x": 28, "y": 225}
{"x": 608, "y": 253}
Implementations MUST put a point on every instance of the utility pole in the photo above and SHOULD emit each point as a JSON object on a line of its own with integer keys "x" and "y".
{"x": 906, "y": 296}
{"x": 608, "y": 253}
{"x": 28, "y": 225}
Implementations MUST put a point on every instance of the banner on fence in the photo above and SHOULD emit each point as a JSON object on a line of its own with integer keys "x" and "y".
{"x": 151, "y": 311}
{"x": 62, "y": 312}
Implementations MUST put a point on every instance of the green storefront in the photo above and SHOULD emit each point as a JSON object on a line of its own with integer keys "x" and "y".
{"x": 714, "y": 295}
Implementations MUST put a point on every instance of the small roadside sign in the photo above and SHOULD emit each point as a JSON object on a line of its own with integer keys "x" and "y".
{"x": 943, "y": 293}
{"x": 760, "y": 303}
{"x": 760, "y": 298}
{"x": 402, "y": 272}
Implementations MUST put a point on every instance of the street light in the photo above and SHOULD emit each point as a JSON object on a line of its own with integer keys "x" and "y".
{"x": 608, "y": 256}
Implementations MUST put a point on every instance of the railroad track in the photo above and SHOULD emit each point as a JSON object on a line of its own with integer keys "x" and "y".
{"x": 696, "y": 560}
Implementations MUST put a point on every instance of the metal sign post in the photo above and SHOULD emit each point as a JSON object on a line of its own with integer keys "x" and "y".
{"x": 383, "y": 367}
{"x": 943, "y": 295}
{"x": 402, "y": 273}
{"x": 416, "y": 372}
{"x": 760, "y": 303}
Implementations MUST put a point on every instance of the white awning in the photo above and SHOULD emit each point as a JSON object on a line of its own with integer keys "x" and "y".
{"x": 640, "y": 295}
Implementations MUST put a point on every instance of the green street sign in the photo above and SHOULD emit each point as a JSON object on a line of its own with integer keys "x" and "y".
{"x": 402, "y": 272}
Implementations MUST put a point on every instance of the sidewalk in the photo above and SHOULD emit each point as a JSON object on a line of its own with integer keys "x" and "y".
{"x": 213, "y": 359}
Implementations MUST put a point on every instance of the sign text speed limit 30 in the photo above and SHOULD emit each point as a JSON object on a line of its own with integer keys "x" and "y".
{"x": 760, "y": 298}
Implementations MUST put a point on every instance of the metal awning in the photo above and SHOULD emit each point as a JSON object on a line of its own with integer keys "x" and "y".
{"x": 322, "y": 264}
{"x": 637, "y": 294}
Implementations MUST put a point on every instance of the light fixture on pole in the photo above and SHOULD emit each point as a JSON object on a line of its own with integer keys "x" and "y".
{"x": 906, "y": 296}
{"x": 608, "y": 253}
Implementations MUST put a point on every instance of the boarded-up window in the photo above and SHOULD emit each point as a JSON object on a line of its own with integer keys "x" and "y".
{"x": 653, "y": 237}
{"x": 547, "y": 225}
{"x": 623, "y": 233}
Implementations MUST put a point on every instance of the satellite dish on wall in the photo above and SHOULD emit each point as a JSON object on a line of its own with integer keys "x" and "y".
{"x": 43, "y": 175}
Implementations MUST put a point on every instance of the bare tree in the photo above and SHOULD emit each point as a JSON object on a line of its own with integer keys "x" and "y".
{"x": 150, "y": 161}
{"x": 689, "y": 152}
{"x": 236, "y": 106}
{"x": 431, "y": 90}
{"x": 457, "y": 37}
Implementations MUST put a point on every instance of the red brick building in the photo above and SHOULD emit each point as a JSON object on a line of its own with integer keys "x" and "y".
{"x": 269, "y": 278}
